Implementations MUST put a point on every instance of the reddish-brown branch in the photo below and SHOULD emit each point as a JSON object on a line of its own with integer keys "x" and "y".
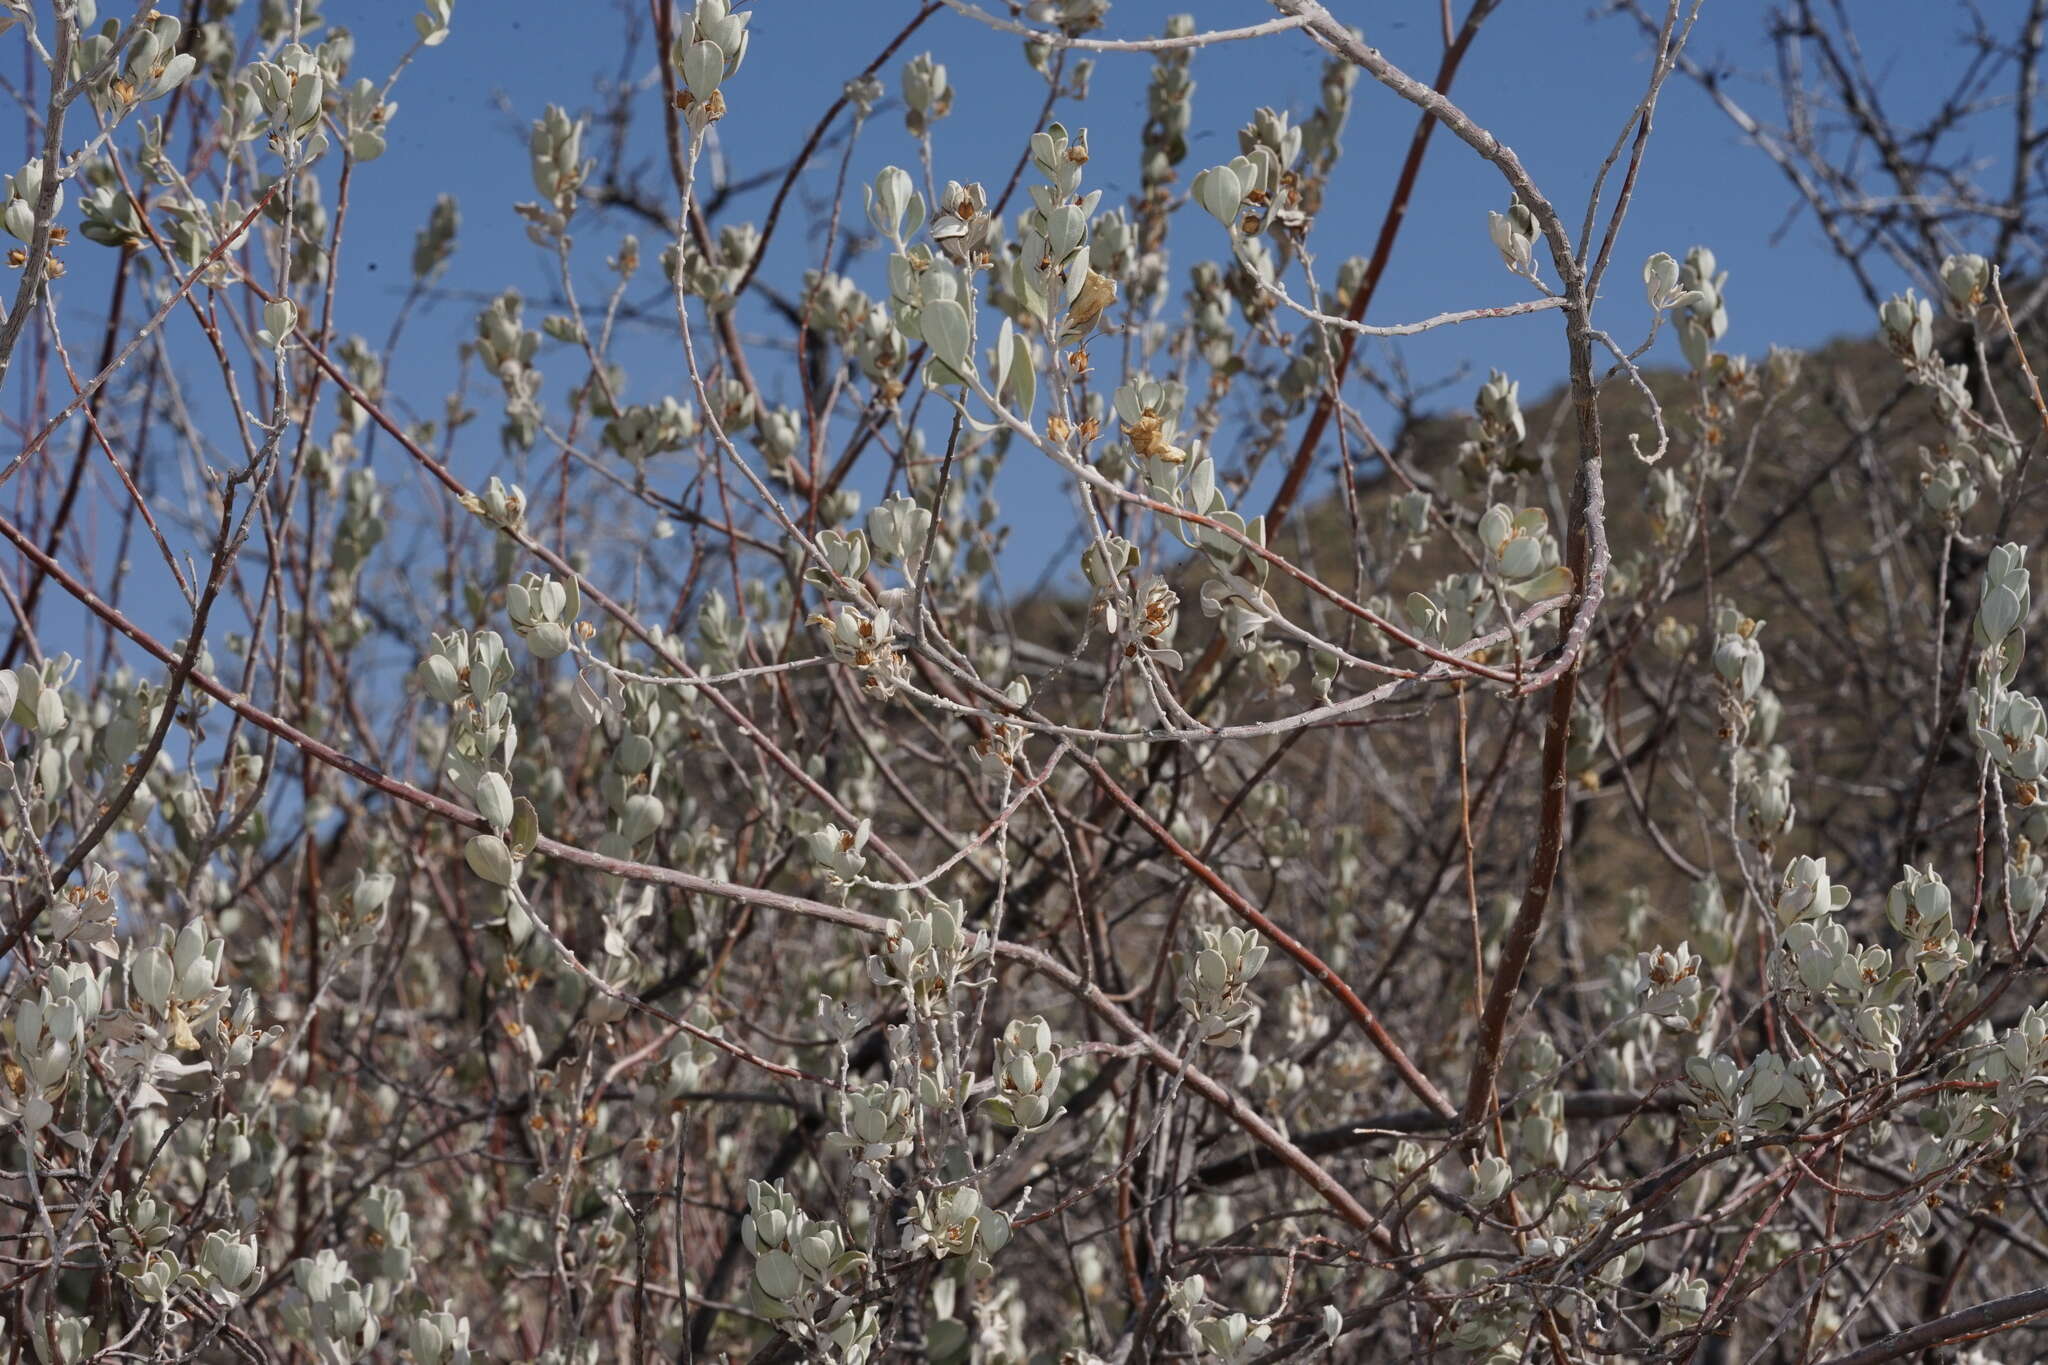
{"x": 1375, "y": 270}
{"x": 1321, "y": 971}
{"x": 1997, "y": 1315}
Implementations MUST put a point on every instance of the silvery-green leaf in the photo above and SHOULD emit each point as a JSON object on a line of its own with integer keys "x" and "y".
{"x": 643, "y": 816}
{"x": 703, "y": 69}
{"x": 946, "y": 331}
{"x": 548, "y": 641}
{"x": 1554, "y": 582}
{"x": 1519, "y": 558}
{"x": 494, "y": 799}
{"x": 490, "y": 859}
{"x": 777, "y": 1274}
{"x": 1065, "y": 230}
{"x": 1999, "y": 613}
{"x": 1023, "y": 375}
{"x": 1219, "y": 191}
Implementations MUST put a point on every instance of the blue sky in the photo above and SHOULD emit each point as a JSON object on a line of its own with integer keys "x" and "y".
{"x": 1553, "y": 82}
{"x": 1556, "y": 83}
{"x": 1551, "y": 79}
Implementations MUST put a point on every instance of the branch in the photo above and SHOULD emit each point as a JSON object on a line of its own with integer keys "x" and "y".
{"x": 1998, "y": 1315}
{"x": 1062, "y": 40}
{"x": 1041, "y": 963}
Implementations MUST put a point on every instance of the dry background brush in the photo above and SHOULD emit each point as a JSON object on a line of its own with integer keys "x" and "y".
{"x": 1563, "y": 882}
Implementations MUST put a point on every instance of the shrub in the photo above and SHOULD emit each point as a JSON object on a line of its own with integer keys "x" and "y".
{"x": 655, "y": 892}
